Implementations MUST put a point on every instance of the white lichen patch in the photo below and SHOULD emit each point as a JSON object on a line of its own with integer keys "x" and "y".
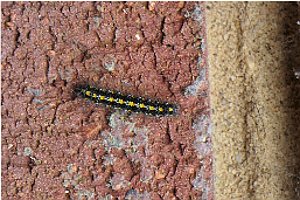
{"x": 120, "y": 126}
{"x": 106, "y": 197}
{"x": 108, "y": 159}
{"x": 197, "y": 14}
{"x": 118, "y": 181}
{"x": 198, "y": 88}
{"x": 72, "y": 168}
{"x": 118, "y": 121}
{"x": 125, "y": 135}
{"x": 97, "y": 21}
{"x": 146, "y": 175}
{"x": 109, "y": 62}
{"x": 27, "y": 151}
{"x": 140, "y": 136}
{"x": 140, "y": 139}
{"x": 202, "y": 128}
{"x": 135, "y": 195}
{"x": 202, "y": 125}
{"x": 203, "y": 148}
{"x": 72, "y": 179}
{"x": 85, "y": 194}
{"x": 35, "y": 92}
{"x": 201, "y": 184}
{"x": 112, "y": 140}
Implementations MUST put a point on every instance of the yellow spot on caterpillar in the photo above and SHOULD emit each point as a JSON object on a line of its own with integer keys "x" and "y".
{"x": 111, "y": 99}
{"x": 121, "y": 101}
{"x": 94, "y": 95}
{"x": 102, "y": 97}
{"x": 131, "y": 103}
{"x": 160, "y": 109}
{"x": 88, "y": 93}
{"x": 171, "y": 109}
{"x": 142, "y": 105}
{"x": 151, "y": 108}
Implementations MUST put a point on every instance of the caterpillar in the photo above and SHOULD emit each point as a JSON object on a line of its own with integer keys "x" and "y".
{"x": 127, "y": 102}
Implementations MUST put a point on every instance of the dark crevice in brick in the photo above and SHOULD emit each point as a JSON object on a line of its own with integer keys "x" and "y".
{"x": 162, "y": 27}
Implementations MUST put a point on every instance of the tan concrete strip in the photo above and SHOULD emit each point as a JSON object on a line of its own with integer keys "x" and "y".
{"x": 254, "y": 99}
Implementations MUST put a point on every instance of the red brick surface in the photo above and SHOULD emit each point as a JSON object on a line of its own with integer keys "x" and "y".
{"x": 55, "y": 146}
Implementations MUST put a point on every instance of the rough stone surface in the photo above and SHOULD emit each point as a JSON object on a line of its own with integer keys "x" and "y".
{"x": 56, "y": 146}
{"x": 255, "y": 99}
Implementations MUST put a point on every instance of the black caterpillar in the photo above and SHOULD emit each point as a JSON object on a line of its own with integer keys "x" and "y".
{"x": 126, "y": 102}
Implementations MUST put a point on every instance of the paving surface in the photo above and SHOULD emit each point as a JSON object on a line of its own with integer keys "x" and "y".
{"x": 255, "y": 99}
{"x": 56, "y": 146}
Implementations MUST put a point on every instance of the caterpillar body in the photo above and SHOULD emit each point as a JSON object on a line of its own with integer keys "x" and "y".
{"x": 127, "y": 102}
